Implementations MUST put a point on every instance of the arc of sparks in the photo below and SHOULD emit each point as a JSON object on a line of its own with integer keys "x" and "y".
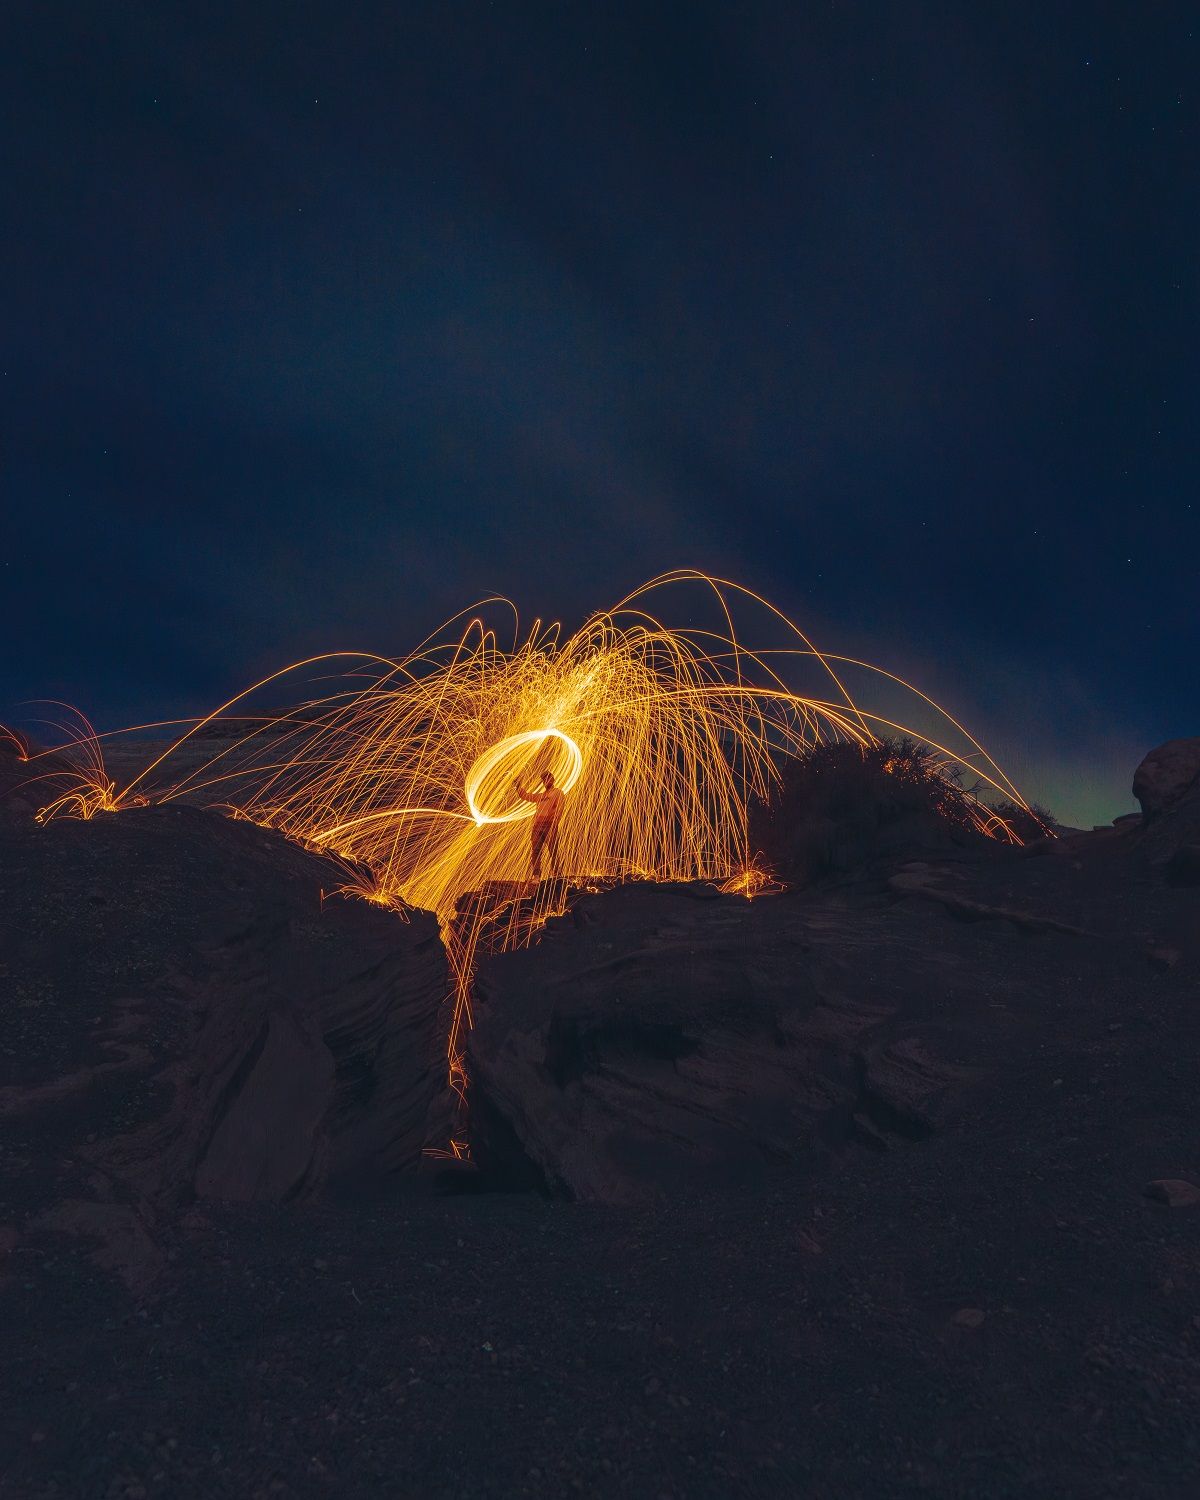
{"x": 498, "y": 753}
{"x": 398, "y": 767}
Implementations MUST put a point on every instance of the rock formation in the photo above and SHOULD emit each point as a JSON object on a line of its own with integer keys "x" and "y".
{"x": 658, "y": 1037}
{"x": 1167, "y": 784}
{"x": 1165, "y": 776}
{"x": 191, "y": 1013}
{"x": 961, "y": 1088}
{"x": 665, "y": 1036}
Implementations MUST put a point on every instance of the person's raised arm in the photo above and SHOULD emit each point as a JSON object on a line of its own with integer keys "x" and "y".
{"x": 524, "y": 795}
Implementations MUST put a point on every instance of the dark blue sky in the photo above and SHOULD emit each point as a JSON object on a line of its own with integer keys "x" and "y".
{"x": 320, "y": 321}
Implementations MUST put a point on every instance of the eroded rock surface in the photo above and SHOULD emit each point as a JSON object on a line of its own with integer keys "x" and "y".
{"x": 657, "y": 1038}
{"x": 1167, "y": 784}
{"x": 1165, "y": 775}
{"x": 189, "y": 1012}
{"x": 661, "y": 1037}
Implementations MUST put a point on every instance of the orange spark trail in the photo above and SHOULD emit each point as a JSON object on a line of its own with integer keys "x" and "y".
{"x": 661, "y": 737}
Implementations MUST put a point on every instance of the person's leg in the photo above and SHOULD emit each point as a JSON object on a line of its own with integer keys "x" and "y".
{"x": 537, "y": 842}
{"x": 552, "y": 844}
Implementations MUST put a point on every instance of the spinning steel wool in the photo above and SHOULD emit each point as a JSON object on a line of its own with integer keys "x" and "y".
{"x": 659, "y": 736}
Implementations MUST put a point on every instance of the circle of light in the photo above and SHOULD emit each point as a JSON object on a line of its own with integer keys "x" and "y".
{"x": 492, "y": 757}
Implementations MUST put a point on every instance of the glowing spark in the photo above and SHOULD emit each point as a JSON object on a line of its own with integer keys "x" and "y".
{"x": 660, "y": 738}
{"x": 490, "y": 761}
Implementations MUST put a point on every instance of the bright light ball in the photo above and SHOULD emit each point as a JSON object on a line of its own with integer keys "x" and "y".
{"x": 490, "y": 778}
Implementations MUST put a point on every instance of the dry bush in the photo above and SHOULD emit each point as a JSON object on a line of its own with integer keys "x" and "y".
{"x": 1027, "y": 823}
{"x": 840, "y": 805}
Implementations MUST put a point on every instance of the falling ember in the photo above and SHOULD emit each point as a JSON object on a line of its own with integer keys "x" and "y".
{"x": 661, "y": 738}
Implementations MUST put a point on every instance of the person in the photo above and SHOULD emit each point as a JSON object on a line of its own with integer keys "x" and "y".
{"x": 543, "y": 835}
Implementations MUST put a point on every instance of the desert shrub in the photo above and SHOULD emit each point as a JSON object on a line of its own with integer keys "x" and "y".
{"x": 13, "y": 742}
{"x": 838, "y": 805}
{"x": 1026, "y": 823}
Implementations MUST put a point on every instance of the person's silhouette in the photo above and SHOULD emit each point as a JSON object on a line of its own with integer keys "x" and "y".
{"x": 543, "y": 835}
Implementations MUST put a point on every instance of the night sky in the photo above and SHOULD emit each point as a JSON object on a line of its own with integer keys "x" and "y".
{"x": 318, "y": 322}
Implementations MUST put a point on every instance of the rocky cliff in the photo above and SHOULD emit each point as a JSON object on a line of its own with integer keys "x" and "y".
{"x": 190, "y": 1013}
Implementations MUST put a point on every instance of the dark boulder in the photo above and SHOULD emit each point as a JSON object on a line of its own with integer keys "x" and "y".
{"x": 1165, "y": 776}
{"x": 653, "y": 1042}
{"x": 191, "y": 1012}
{"x": 1171, "y": 839}
{"x": 1175, "y": 1192}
